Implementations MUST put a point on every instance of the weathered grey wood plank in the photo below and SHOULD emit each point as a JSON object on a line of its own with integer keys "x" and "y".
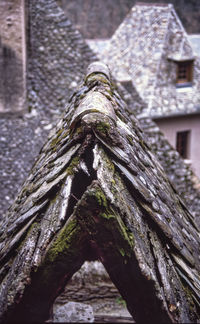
{"x": 97, "y": 192}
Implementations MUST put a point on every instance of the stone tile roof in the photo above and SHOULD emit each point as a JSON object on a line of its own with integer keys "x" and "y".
{"x": 142, "y": 31}
{"x": 144, "y": 49}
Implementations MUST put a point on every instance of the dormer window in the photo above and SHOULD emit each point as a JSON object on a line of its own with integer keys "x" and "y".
{"x": 184, "y": 73}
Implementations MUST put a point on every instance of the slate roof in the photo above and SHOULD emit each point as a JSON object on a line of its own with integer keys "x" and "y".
{"x": 144, "y": 49}
{"x": 97, "y": 189}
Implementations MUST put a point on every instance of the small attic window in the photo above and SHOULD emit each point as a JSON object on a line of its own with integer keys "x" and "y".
{"x": 184, "y": 73}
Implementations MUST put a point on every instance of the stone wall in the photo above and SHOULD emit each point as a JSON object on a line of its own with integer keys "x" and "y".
{"x": 57, "y": 58}
{"x": 21, "y": 138}
{"x": 12, "y": 55}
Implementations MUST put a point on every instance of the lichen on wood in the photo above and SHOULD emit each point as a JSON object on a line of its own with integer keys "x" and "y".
{"x": 97, "y": 192}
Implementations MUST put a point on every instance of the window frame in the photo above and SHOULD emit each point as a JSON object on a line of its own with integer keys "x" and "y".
{"x": 183, "y": 143}
{"x": 184, "y": 73}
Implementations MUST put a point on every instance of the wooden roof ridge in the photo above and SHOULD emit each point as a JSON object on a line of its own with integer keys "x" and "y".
{"x": 96, "y": 192}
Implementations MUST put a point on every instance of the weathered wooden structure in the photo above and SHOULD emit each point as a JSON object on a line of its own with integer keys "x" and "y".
{"x": 97, "y": 192}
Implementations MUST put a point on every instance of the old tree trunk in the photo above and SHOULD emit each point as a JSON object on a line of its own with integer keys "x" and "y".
{"x": 97, "y": 192}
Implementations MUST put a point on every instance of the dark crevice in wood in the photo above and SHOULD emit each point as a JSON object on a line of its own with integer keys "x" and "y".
{"x": 82, "y": 180}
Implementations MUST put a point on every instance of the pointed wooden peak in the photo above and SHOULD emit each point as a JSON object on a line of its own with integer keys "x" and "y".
{"x": 96, "y": 192}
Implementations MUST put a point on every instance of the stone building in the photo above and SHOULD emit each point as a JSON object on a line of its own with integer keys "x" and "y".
{"x": 12, "y": 55}
{"x": 56, "y": 60}
{"x": 152, "y": 50}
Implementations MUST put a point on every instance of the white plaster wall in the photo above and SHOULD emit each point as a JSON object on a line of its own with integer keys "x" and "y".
{"x": 170, "y": 126}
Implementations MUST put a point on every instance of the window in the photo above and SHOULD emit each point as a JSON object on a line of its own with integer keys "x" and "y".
{"x": 184, "y": 72}
{"x": 182, "y": 143}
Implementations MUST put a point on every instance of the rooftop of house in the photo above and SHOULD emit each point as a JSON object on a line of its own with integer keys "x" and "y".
{"x": 145, "y": 49}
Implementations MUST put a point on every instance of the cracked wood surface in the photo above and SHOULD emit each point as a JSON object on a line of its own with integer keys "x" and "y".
{"x": 97, "y": 192}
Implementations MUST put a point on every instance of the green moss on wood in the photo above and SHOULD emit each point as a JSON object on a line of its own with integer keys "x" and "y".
{"x": 130, "y": 139}
{"x": 103, "y": 127}
{"x": 122, "y": 252}
{"x": 101, "y": 199}
{"x": 94, "y": 77}
{"x": 107, "y": 215}
{"x": 73, "y": 165}
{"x": 111, "y": 219}
{"x": 79, "y": 130}
{"x": 64, "y": 241}
{"x": 121, "y": 301}
{"x": 59, "y": 132}
{"x": 59, "y": 137}
{"x": 55, "y": 141}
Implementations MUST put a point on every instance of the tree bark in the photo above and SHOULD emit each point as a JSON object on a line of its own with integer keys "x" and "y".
{"x": 97, "y": 192}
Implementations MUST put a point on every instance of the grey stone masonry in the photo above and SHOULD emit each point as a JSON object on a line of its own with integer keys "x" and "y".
{"x": 20, "y": 141}
{"x": 146, "y": 48}
{"x": 12, "y": 55}
{"x": 57, "y": 58}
